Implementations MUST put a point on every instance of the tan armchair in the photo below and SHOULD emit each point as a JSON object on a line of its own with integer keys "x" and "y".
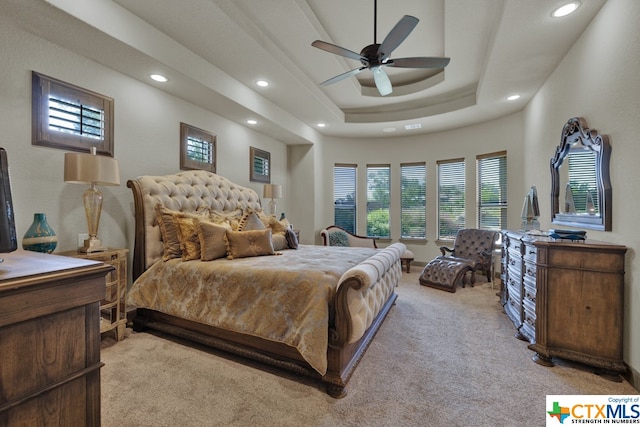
{"x": 338, "y": 236}
{"x": 334, "y": 235}
{"x": 475, "y": 247}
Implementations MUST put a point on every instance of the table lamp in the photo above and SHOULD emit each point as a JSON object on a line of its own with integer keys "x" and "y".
{"x": 83, "y": 168}
{"x": 272, "y": 191}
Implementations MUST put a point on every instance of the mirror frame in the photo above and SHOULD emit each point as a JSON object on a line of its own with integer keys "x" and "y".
{"x": 576, "y": 130}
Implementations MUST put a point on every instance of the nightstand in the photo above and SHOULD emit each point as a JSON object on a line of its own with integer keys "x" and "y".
{"x": 113, "y": 314}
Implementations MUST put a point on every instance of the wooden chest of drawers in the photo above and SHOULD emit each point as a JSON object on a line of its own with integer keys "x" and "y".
{"x": 50, "y": 339}
{"x": 566, "y": 298}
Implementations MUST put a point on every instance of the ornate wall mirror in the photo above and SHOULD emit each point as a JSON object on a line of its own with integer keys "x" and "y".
{"x": 580, "y": 171}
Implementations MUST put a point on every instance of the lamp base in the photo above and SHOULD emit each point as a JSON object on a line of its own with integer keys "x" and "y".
{"x": 92, "y": 245}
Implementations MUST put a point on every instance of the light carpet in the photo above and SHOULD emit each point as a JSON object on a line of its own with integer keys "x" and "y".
{"x": 439, "y": 359}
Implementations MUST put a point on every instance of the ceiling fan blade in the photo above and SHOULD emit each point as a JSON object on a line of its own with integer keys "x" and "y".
{"x": 418, "y": 62}
{"x": 342, "y": 76}
{"x": 337, "y": 50}
{"x": 382, "y": 81}
{"x": 397, "y": 35}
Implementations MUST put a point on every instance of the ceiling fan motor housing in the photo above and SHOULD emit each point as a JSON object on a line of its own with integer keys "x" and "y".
{"x": 372, "y": 55}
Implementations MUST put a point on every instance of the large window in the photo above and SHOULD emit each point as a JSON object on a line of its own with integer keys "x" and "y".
{"x": 413, "y": 197}
{"x": 492, "y": 191}
{"x": 451, "y": 198}
{"x": 69, "y": 117}
{"x": 344, "y": 196}
{"x": 378, "y": 197}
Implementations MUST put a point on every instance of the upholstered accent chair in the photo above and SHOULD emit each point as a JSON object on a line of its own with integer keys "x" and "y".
{"x": 472, "y": 251}
{"x": 475, "y": 247}
{"x": 334, "y": 235}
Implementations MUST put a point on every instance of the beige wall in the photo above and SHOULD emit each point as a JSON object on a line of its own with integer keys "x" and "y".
{"x": 498, "y": 135}
{"x": 597, "y": 80}
{"x": 147, "y": 134}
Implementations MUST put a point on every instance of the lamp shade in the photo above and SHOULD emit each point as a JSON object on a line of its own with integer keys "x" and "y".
{"x": 272, "y": 191}
{"x": 82, "y": 168}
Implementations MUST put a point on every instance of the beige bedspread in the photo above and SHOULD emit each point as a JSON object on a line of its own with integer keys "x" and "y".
{"x": 284, "y": 298}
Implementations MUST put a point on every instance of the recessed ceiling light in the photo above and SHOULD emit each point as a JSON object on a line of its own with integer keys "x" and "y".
{"x": 262, "y": 83}
{"x": 158, "y": 77}
{"x": 413, "y": 126}
{"x": 389, "y": 130}
{"x": 566, "y": 9}
{"x": 513, "y": 97}
{"x": 321, "y": 125}
{"x": 252, "y": 122}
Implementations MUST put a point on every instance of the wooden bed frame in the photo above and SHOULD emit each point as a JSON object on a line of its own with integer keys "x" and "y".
{"x": 342, "y": 357}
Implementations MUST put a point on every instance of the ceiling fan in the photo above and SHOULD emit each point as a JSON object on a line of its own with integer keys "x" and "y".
{"x": 375, "y": 56}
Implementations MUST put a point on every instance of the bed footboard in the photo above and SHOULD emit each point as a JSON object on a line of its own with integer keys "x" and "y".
{"x": 364, "y": 297}
{"x": 362, "y": 291}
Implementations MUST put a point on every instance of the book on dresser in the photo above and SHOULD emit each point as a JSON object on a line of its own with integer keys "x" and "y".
{"x": 566, "y": 298}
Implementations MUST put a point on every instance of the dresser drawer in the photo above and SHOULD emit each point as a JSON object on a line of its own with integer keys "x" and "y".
{"x": 514, "y": 245}
{"x": 530, "y": 292}
{"x": 515, "y": 272}
{"x": 530, "y": 253}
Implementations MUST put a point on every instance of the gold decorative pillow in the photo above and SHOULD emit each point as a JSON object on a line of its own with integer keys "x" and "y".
{"x": 242, "y": 244}
{"x": 231, "y": 218}
{"x": 189, "y": 239}
{"x": 169, "y": 230}
{"x": 251, "y": 221}
{"x": 278, "y": 226}
{"x": 278, "y": 232}
{"x": 212, "y": 239}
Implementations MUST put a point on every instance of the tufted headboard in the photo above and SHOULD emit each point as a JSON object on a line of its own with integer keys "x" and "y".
{"x": 187, "y": 191}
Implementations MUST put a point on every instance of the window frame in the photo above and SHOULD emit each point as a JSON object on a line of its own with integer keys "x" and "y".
{"x": 191, "y": 132}
{"x": 42, "y": 88}
{"x": 439, "y": 165}
{"x": 502, "y": 204}
{"x": 404, "y": 214}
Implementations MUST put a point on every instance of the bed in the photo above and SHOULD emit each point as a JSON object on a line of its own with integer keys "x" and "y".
{"x": 312, "y": 310}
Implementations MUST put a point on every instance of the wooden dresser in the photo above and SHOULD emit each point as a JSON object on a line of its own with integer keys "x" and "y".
{"x": 50, "y": 339}
{"x": 566, "y": 298}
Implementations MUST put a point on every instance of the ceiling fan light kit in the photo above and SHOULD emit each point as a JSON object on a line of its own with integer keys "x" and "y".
{"x": 375, "y": 56}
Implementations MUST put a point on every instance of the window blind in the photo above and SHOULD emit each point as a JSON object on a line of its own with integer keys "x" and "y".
{"x": 413, "y": 196}
{"x": 492, "y": 191}
{"x": 451, "y": 198}
{"x": 75, "y": 118}
{"x": 199, "y": 150}
{"x": 582, "y": 179}
{"x": 344, "y": 196}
